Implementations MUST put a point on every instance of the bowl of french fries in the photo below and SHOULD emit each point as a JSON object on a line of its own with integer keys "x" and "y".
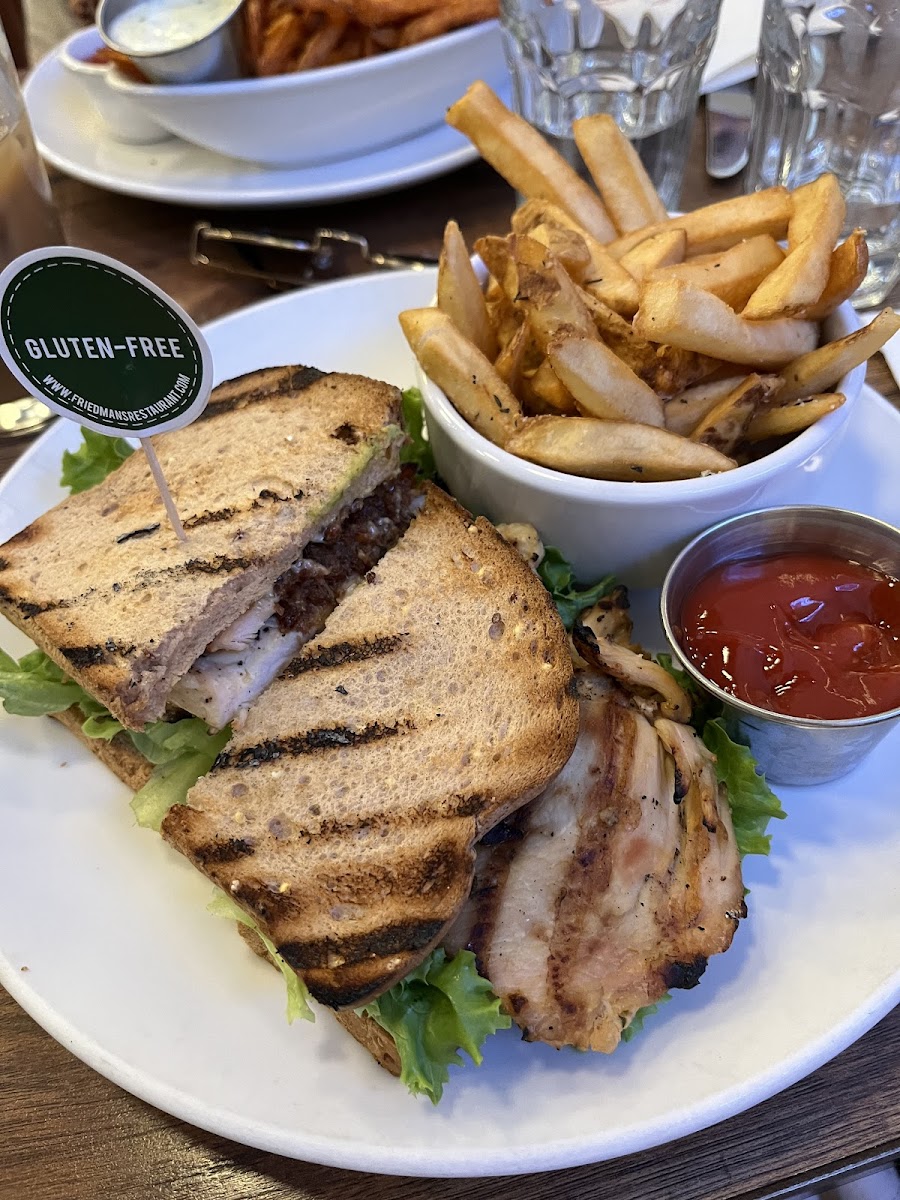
{"x": 622, "y": 378}
{"x": 326, "y": 80}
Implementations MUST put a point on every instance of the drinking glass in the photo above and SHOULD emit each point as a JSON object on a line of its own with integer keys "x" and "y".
{"x": 828, "y": 99}
{"x": 28, "y": 220}
{"x": 640, "y": 61}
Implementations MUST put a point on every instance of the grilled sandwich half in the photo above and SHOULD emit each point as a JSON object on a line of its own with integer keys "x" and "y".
{"x": 344, "y": 813}
{"x": 289, "y": 492}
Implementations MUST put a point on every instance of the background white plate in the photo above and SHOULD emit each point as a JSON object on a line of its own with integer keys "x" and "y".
{"x": 127, "y": 969}
{"x": 80, "y": 144}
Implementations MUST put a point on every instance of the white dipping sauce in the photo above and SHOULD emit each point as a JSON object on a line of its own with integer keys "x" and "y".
{"x": 152, "y": 26}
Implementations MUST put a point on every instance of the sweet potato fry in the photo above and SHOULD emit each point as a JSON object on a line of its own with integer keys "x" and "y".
{"x": 321, "y": 44}
{"x": 281, "y": 44}
{"x": 470, "y": 381}
{"x": 787, "y": 419}
{"x": 725, "y": 424}
{"x": 812, "y": 232}
{"x": 663, "y": 249}
{"x": 849, "y": 263}
{"x": 822, "y": 368}
{"x": 625, "y": 187}
{"x": 680, "y": 315}
{"x": 459, "y": 293}
{"x": 619, "y": 450}
{"x": 603, "y": 386}
{"x": 722, "y": 225}
{"x": 444, "y": 17}
{"x": 732, "y": 275}
{"x": 518, "y": 152}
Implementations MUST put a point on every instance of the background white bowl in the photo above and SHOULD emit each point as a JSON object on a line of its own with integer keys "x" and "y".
{"x": 330, "y": 113}
{"x": 633, "y": 530}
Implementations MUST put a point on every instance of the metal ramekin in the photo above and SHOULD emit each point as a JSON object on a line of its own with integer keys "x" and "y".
{"x": 793, "y": 750}
{"x": 215, "y": 56}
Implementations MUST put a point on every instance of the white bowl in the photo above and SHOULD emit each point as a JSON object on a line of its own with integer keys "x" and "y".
{"x": 125, "y": 116}
{"x": 633, "y": 530}
{"x": 330, "y": 113}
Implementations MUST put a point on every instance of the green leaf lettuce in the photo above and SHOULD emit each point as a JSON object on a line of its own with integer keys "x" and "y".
{"x": 417, "y": 449}
{"x": 181, "y": 751}
{"x": 569, "y": 597}
{"x": 95, "y": 458}
{"x": 222, "y": 905}
{"x": 442, "y": 1007}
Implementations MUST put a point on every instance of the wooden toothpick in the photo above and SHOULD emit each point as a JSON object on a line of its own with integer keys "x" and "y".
{"x": 167, "y": 500}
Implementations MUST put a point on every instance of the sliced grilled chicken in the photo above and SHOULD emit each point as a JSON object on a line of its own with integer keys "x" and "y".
{"x": 613, "y": 886}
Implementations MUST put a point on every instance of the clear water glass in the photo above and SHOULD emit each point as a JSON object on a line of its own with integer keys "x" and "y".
{"x": 828, "y": 99}
{"x": 28, "y": 221}
{"x": 640, "y": 61}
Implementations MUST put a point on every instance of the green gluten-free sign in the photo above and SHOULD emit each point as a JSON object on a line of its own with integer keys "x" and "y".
{"x": 100, "y": 344}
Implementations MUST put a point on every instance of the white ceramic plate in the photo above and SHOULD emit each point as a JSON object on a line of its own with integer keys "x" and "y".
{"x": 72, "y": 138}
{"x": 126, "y": 968}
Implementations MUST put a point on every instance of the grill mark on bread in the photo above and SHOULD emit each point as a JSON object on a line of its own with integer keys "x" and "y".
{"x": 296, "y": 381}
{"x": 325, "y": 657}
{"x": 26, "y": 607}
{"x": 84, "y": 656}
{"x": 400, "y": 938}
{"x": 312, "y": 742}
{"x": 223, "y": 851}
{"x": 137, "y": 533}
{"x": 207, "y": 518}
{"x": 4, "y": 564}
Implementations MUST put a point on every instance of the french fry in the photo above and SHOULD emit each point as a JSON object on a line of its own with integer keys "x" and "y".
{"x": 604, "y": 278}
{"x": 546, "y": 294}
{"x": 602, "y": 385}
{"x": 321, "y": 44}
{"x": 566, "y": 245}
{"x": 724, "y": 426}
{"x": 666, "y": 369}
{"x": 685, "y": 411}
{"x": 720, "y": 226}
{"x": 549, "y": 393}
{"x": 663, "y": 249}
{"x": 820, "y": 369}
{"x": 510, "y": 362}
{"x": 444, "y": 17}
{"x": 680, "y": 315}
{"x": 625, "y": 187}
{"x": 814, "y": 228}
{"x": 849, "y": 264}
{"x": 732, "y": 275}
{"x": 459, "y": 294}
{"x": 788, "y": 419}
{"x": 470, "y": 381}
{"x": 496, "y": 254}
{"x": 617, "y": 450}
{"x": 525, "y": 160}
{"x": 280, "y": 45}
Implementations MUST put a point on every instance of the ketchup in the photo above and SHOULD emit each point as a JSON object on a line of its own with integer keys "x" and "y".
{"x": 807, "y": 635}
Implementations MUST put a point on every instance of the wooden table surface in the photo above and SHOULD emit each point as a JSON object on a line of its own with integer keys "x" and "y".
{"x": 68, "y": 1134}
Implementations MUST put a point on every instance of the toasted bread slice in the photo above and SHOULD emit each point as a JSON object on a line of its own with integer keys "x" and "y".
{"x": 102, "y": 584}
{"x": 118, "y": 753}
{"x": 343, "y": 814}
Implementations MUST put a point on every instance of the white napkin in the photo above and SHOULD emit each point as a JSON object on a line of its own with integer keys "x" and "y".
{"x": 733, "y": 57}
